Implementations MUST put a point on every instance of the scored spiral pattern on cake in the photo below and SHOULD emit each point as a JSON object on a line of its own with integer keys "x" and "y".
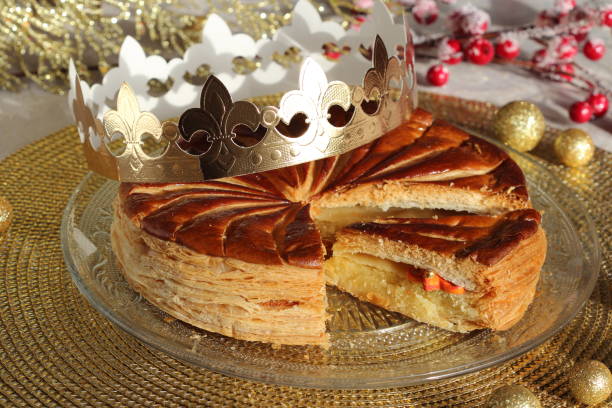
{"x": 263, "y": 218}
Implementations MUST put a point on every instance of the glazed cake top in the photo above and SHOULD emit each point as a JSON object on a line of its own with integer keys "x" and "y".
{"x": 265, "y": 218}
{"x": 483, "y": 238}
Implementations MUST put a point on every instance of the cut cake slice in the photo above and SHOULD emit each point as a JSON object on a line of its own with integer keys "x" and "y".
{"x": 460, "y": 272}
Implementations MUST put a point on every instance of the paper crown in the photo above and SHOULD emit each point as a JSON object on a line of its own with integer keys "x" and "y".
{"x": 223, "y": 138}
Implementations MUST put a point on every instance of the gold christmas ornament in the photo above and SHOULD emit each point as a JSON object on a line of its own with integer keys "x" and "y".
{"x": 574, "y": 147}
{"x": 6, "y": 215}
{"x": 520, "y": 125}
{"x": 591, "y": 382}
{"x": 513, "y": 396}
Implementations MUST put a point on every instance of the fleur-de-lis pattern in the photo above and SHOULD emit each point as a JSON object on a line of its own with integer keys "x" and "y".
{"x": 376, "y": 83}
{"x": 318, "y": 120}
{"x": 134, "y": 164}
{"x": 321, "y": 118}
{"x": 314, "y": 99}
{"x": 222, "y": 138}
{"x": 209, "y": 131}
{"x": 131, "y": 124}
{"x": 92, "y": 135}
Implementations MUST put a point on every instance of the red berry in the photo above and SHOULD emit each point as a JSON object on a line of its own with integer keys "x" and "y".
{"x": 581, "y": 35}
{"x": 507, "y": 49}
{"x": 599, "y": 103}
{"x": 449, "y": 51}
{"x": 469, "y": 20}
{"x": 425, "y": 11}
{"x": 546, "y": 19}
{"x": 566, "y": 71}
{"x": 594, "y": 49}
{"x": 540, "y": 56}
{"x": 563, "y": 7}
{"x": 437, "y": 75}
{"x": 480, "y": 28}
{"x": 581, "y": 112}
{"x": 566, "y": 48}
{"x": 480, "y": 51}
{"x": 606, "y": 17}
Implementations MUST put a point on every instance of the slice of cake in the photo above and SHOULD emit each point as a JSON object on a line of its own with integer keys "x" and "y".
{"x": 460, "y": 272}
{"x": 420, "y": 167}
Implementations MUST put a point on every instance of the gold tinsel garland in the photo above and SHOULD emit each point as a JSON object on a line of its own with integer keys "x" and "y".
{"x": 38, "y": 40}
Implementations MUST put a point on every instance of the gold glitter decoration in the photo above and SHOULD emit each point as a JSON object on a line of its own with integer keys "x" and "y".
{"x": 6, "y": 215}
{"x": 244, "y": 66}
{"x": 292, "y": 55}
{"x": 58, "y": 351}
{"x": 520, "y": 125}
{"x": 38, "y": 39}
{"x": 513, "y": 396}
{"x": 574, "y": 147}
{"x": 348, "y": 11}
{"x": 259, "y": 19}
{"x": 591, "y": 382}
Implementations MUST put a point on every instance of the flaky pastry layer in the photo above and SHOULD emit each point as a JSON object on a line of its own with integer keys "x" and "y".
{"x": 274, "y": 304}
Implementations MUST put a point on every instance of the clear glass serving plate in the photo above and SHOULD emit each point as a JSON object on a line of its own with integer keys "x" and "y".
{"x": 370, "y": 347}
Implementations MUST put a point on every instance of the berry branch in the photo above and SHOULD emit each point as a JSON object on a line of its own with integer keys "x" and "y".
{"x": 529, "y": 31}
{"x": 561, "y": 31}
{"x": 598, "y": 83}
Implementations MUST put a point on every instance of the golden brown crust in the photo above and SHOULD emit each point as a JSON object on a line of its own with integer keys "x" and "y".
{"x": 223, "y": 219}
{"x": 484, "y": 239}
{"x": 267, "y": 220}
{"x": 442, "y": 168}
{"x": 497, "y": 259}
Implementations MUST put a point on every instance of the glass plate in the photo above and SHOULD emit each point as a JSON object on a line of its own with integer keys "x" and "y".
{"x": 370, "y": 347}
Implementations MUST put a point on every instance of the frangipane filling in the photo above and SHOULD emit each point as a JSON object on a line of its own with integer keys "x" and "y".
{"x": 331, "y": 220}
{"x": 414, "y": 292}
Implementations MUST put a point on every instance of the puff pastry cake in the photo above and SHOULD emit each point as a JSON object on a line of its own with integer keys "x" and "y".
{"x": 246, "y": 256}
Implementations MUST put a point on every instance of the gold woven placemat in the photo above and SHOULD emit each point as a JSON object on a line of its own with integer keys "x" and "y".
{"x": 56, "y": 350}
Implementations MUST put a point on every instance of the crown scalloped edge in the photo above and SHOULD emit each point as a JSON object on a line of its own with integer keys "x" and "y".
{"x": 365, "y": 98}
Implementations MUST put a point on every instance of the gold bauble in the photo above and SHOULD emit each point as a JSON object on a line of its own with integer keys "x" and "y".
{"x": 591, "y": 382}
{"x": 6, "y": 214}
{"x": 574, "y": 147}
{"x": 520, "y": 125}
{"x": 513, "y": 396}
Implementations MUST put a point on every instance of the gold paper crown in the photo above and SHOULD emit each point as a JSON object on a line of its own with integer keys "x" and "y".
{"x": 222, "y": 138}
